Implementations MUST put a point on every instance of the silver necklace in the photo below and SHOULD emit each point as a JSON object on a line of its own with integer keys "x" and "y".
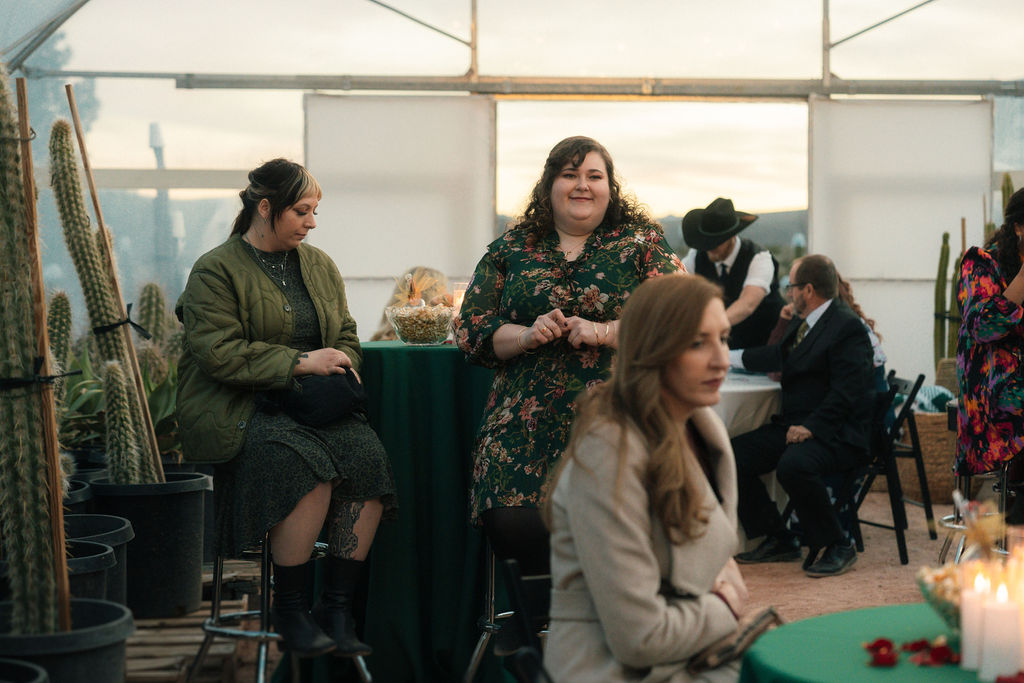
{"x": 274, "y": 270}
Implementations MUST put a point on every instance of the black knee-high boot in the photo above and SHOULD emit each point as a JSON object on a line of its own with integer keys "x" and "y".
{"x": 334, "y": 613}
{"x": 290, "y": 613}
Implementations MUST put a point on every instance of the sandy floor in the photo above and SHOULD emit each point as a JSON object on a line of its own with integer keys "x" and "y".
{"x": 877, "y": 578}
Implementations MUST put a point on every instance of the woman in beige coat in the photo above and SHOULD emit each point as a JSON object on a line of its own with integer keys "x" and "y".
{"x": 643, "y": 510}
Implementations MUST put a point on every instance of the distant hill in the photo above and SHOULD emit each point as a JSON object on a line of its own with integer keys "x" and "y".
{"x": 774, "y": 230}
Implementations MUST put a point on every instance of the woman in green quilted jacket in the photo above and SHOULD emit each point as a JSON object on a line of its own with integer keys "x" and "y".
{"x": 260, "y": 311}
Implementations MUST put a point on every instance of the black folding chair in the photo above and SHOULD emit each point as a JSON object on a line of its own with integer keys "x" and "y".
{"x": 885, "y": 448}
{"x": 908, "y": 445}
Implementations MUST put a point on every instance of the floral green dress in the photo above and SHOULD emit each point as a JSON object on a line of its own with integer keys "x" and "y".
{"x": 529, "y": 410}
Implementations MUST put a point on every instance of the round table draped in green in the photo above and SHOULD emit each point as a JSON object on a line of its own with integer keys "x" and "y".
{"x": 427, "y": 568}
{"x": 830, "y": 648}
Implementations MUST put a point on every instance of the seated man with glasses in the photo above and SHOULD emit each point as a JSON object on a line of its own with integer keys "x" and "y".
{"x": 823, "y": 428}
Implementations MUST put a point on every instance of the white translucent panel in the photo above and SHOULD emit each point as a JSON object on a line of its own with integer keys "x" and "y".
{"x": 407, "y": 181}
{"x": 887, "y": 179}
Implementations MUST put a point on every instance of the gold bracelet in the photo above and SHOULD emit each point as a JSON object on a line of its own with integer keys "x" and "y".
{"x": 519, "y": 341}
{"x": 596, "y": 338}
{"x": 607, "y": 328}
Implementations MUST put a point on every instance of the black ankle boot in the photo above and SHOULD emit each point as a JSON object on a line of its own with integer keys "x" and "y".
{"x": 334, "y": 613}
{"x": 290, "y": 615}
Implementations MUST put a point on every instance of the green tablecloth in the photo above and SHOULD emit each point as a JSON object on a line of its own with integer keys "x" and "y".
{"x": 830, "y": 648}
{"x": 427, "y": 568}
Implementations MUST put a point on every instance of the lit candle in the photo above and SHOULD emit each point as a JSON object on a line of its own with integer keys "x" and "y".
{"x": 1000, "y": 644}
{"x": 458, "y": 293}
{"x": 971, "y": 602}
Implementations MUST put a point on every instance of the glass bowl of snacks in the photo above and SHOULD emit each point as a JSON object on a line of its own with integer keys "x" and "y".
{"x": 941, "y": 589}
{"x": 421, "y": 325}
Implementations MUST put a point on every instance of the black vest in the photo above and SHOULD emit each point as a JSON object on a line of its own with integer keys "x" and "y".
{"x": 755, "y": 329}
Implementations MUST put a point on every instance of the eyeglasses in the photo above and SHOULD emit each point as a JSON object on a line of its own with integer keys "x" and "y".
{"x": 795, "y": 284}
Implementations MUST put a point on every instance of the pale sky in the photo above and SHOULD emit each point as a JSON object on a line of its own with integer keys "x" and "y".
{"x": 673, "y": 155}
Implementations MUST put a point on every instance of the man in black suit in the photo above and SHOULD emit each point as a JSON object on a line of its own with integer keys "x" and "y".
{"x": 827, "y": 393}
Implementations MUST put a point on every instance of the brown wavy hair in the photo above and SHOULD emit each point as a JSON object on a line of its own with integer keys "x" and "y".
{"x": 539, "y": 219}
{"x": 660, "y": 320}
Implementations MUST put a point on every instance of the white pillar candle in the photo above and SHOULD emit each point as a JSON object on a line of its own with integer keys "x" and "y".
{"x": 1000, "y": 644}
{"x": 971, "y": 603}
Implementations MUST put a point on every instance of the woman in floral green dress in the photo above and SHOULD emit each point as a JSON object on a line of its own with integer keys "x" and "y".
{"x": 542, "y": 308}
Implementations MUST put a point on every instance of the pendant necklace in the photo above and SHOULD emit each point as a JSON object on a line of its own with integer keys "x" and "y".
{"x": 274, "y": 270}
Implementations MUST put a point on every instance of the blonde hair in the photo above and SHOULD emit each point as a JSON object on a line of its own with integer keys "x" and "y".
{"x": 659, "y": 322}
{"x": 436, "y": 284}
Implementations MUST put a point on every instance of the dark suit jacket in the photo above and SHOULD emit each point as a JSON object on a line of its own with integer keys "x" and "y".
{"x": 827, "y": 381}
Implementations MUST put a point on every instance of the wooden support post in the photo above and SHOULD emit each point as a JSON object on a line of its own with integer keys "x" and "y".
{"x": 108, "y": 255}
{"x": 51, "y": 450}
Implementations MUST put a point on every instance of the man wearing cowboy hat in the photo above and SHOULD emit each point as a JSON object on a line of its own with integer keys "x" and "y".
{"x": 748, "y": 273}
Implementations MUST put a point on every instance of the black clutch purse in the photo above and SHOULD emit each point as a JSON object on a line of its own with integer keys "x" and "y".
{"x": 318, "y": 400}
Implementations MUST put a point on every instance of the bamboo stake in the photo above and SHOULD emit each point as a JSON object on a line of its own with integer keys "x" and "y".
{"x": 49, "y": 409}
{"x": 963, "y": 236}
{"x": 108, "y": 253}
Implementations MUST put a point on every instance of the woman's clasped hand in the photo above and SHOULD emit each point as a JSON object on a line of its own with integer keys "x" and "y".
{"x": 577, "y": 331}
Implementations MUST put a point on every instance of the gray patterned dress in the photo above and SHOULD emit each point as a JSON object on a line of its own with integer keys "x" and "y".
{"x": 282, "y": 460}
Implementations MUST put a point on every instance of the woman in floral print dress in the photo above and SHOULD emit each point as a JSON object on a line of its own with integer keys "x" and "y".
{"x": 989, "y": 363}
{"x": 542, "y": 308}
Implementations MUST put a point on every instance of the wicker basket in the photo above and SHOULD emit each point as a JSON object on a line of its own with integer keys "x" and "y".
{"x": 938, "y": 447}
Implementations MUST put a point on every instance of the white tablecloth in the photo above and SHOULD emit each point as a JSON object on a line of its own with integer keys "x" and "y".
{"x": 746, "y": 401}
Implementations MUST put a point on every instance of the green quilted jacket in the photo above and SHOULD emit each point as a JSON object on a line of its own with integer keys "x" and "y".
{"x": 238, "y": 326}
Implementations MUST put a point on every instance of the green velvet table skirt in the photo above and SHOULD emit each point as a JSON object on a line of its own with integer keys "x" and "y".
{"x": 427, "y": 568}
{"x": 830, "y": 648}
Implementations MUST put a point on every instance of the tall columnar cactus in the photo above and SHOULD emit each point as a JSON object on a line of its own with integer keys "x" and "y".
{"x": 123, "y": 462}
{"x": 153, "y": 311}
{"x": 939, "y": 333}
{"x": 58, "y": 322}
{"x": 24, "y": 497}
{"x": 153, "y": 363}
{"x": 1006, "y": 189}
{"x": 94, "y": 273}
{"x": 953, "y": 317}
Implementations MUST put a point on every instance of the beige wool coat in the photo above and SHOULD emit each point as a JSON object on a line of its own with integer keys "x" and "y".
{"x": 626, "y": 604}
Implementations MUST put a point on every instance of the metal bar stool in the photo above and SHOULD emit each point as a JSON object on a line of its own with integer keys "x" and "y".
{"x": 954, "y": 523}
{"x": 487, "y": 623}
{"x": 223, "y": 625}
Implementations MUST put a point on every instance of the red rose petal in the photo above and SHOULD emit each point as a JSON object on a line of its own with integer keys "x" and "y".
{"x": 916, "y": 645}
{"x": 879, "y": 644}
{"x": 884, "y": 658}
{"x": 941, "y": 654}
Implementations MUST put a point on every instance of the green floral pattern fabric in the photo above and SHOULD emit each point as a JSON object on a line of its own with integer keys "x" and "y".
{"x": 530, "y": 407}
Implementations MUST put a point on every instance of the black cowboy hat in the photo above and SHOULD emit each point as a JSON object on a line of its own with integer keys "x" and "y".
{"x": 705, "y": 229}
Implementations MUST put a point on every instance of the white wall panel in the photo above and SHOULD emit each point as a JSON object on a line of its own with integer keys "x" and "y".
{"x": 887, "y": 178}
{"x": 407, "y": 181}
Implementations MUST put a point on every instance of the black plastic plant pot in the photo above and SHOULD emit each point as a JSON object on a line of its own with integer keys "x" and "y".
{"x": 93, "y": 650}
{"x": 113, "y": 531}
{"x": 89, "y": 471}
{"x": 88, "y": 563}
{"x": 165, "y": 560}
{"x": 13, "y": 671}
{"x": 78, "y": 499}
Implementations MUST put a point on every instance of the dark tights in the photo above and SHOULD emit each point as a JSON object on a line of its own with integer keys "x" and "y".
{"x": 519, "y": 533}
